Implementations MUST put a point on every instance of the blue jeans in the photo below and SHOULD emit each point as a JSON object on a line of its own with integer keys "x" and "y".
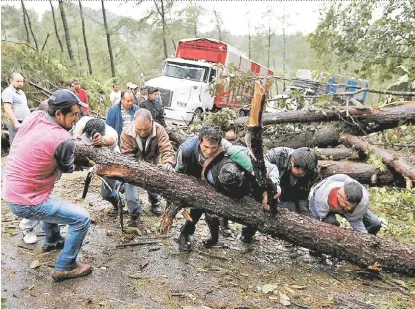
{"x": 54, "y": 212}
{"x": 133, "y": 203}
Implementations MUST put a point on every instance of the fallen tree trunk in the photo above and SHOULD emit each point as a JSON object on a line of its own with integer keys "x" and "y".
{"x": 388, "y": 157}
{"x": 362, "y": 172}
{"x": 336, "y": 154}
{"x": 358, "y": 248}
{"x": 404, "y": 113}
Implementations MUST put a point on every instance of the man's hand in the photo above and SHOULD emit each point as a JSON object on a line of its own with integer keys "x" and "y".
{"x": 98, "y": 140}
{"x": 76, "y": 137}
{"x": 17, "y": 125}
{"x": 168, "y": 167}
{"x": 265, "y": 205}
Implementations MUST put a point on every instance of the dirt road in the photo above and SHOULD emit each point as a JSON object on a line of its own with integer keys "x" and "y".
{"x": 267, "y": 274}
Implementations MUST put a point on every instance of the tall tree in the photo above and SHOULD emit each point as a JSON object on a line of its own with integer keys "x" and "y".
{"x": 218, "y": 24}
{"x": 55, "y": 25}
{"x": 66, "y": 30}
{"x": 85, "y": 40}
{"x": 25, "y": 24}
{"x": 162, "y": 14}
{"x": 107, "y": 32}
{"x": 193, "y": 13}
{"x": 30, "y": 25}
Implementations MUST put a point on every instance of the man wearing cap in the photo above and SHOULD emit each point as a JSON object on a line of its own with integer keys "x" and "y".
{"x": 42, "y": 150}
{"x": 121, "y": 114}
{"x": 156, "y": 109}
{"x": 134, "y": 89}
{"x": 81, "y": 93}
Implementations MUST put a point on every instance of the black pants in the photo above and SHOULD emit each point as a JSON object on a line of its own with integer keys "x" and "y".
{"x": 189, "y": 227}
{"x": 370, "y": 221}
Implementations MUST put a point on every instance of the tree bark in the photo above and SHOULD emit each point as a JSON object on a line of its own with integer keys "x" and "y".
{"x": 405, "y": 113}
{"x": 88, "y": 59}
{"x": 218, "y": 24}
{"x": 56, "y": 26}
{"x": 358, "y": 248}
{"x": 107, "y": 32}
{"x": 362, "y": 172}
{"x": 66, "y": 30}
{"x": 336, "y": 154}
{"x": 388, "y": 157}
{"x": 30, "y": 25}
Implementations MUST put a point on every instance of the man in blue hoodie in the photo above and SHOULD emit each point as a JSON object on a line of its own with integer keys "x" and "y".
{"x": 122, "y": 113}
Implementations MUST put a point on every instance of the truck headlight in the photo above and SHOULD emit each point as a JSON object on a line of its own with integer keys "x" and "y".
{"x": 181, "y": 104}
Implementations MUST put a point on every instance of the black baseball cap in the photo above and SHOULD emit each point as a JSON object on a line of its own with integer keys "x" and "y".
{"x": 151, "y": 90}
{"x": 65, "y": 98}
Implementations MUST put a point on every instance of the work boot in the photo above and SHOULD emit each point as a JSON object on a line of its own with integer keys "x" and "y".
{"x": 185, "y": 244}
{"x": 156, "y": 209}
{"x": 57, "y": 243}
{"x": 246, "y": 235}
{"x": 79, "y": 270}
{"x": 213, "y": 224}
{"x": 134, "y": 220}
{"x": 226, "y": 230}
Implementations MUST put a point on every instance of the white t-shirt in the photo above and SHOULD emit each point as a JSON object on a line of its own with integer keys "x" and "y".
{"x": 115, "y": 97}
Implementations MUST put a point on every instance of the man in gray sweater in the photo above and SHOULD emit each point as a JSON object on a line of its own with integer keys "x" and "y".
{"x": 342, "y": 195}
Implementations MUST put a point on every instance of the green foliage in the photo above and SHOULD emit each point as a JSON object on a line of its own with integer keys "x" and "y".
{"x": 395, "y": 207}
{"x": 356, "y": 36}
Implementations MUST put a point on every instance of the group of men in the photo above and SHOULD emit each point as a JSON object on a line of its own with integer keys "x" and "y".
{"x": 43, "y": 148}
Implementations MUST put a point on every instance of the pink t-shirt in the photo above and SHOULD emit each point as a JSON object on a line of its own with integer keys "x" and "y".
{"x": 31, "y": 168}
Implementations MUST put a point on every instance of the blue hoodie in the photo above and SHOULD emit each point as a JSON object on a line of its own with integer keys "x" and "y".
{"x": 114, "y": 118}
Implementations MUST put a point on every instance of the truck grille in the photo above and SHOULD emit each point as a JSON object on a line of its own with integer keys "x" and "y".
{"x": 166, "y": 97}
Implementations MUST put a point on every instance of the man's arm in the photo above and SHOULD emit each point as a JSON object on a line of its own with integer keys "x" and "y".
{"x": 111, "y": 118}
{"x": 165, "y": 148}
{"x": 65, "y": 156}
{"x": 162, "y": 121}
{"x": 180, "y": 165}
{"x": 9, "y": 111}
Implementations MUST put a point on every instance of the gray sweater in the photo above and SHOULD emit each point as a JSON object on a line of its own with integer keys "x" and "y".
{"x": 319, "y": 207}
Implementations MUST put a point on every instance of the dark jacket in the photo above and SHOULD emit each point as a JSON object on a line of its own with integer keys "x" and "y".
{"x": 292, "y": 190}
{"x": 114, "y": 118}
{"x": 156, "y": 109}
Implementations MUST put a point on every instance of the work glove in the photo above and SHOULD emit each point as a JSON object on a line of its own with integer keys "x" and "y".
{"x": 168, "y": 167}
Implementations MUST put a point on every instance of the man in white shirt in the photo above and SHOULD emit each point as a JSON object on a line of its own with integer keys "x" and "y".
{"x": 115, "y": 95}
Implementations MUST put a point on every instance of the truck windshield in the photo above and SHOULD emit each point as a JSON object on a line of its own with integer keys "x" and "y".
{"x": 185, "y": 71}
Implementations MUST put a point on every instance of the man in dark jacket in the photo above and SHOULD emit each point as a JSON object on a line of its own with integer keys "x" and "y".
{"x": 156, "y": 109}
{"x": 121, "y": 114}
{"x": 297, "y": 173}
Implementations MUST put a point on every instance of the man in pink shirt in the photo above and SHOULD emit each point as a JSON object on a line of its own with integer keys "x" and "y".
{"x": 81, "y": 93}
{"x": 42, "y": 150}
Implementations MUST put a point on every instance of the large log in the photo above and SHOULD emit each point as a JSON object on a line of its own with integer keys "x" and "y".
{"x": 358, "y": 248}
{"x": 404, "y": 113}
{"x": 336, "y": 154}
{"x": 388, "y": 157}
{"x": 362, "y": 172}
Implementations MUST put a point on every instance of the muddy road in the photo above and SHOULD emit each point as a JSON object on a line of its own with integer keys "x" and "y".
{"x": 267, "y": 274}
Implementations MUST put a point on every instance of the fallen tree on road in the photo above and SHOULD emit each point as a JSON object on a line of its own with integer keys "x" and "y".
{"x": 360, "y": 249}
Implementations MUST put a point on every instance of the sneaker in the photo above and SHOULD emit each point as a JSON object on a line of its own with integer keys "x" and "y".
{"x": 29, "y": 236}
{"x": 57, "y": 244}
{"x": 79, "y": 270}
{"x": 184, "y": 243}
